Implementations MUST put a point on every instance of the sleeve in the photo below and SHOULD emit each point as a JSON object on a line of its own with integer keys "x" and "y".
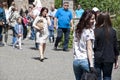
{"x": 57, "y": 13}
{"x": 116, "y": 50}
{"x": 89, "y": 35}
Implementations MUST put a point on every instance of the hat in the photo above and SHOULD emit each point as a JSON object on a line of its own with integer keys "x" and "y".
{"x": 95, "y": 9}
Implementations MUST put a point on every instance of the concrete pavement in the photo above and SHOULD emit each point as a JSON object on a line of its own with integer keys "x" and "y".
{"x": 25, "y": 64}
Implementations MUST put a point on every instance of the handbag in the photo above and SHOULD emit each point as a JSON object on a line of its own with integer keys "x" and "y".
{"x": 40, "y": 24}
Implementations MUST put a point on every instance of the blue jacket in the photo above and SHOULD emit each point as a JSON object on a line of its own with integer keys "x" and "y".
{"x": 2, "y": 15}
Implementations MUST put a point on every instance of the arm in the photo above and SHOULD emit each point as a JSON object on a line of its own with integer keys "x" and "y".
{"x": 72, "y": 27}
{"x": 89, "y": 51}
{"x": 34, "y": 23}
{"x": 48, "y": 21}
{"x": 116, "y": 51}
{"x": 55, "y": 22}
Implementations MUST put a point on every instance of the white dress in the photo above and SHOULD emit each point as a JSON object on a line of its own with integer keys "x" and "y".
{"x": 42, "y": 37}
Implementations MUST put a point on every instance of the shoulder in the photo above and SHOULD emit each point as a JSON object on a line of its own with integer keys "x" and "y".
{"x": 89, "y": 31}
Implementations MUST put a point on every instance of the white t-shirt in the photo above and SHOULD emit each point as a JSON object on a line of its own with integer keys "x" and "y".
{"x": 80, "y": 47}
{"x": 52, "y": 13}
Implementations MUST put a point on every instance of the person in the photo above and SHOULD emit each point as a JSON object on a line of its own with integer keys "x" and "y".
{"x": 52, "y": 11}
{"x": 79, "y": 11}
{"x": 64, "y": 17}
{"x": 18, "y": 33}
{"x": 38, "y": 4}
{"x": 42, "y": 34}
{"x": 96, "y": 12}
{"x": 51, "y": 29}
{"x": 13, "y": 5}
{"x": 25, "y": 25}
{"x": 105, "y": 48}
{"x": 2, "y": 22}
{"x": 35, "y": 12}
{"x": 5, "y": 37}
{"x": 83, "y": 45}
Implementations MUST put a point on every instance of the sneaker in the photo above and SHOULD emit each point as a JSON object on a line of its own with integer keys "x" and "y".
{"x": 1, "y": 44}
{"x": 55, "y": 48}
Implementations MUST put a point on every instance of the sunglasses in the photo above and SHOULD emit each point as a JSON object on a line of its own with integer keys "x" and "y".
{"x": 66, "y": 5}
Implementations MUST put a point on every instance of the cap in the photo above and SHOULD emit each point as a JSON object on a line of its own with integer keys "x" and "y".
{"x": 95, "y": 9}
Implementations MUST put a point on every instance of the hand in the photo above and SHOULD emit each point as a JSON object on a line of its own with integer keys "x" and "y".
{"x": 72, "y": 28}
{"x": 93, "y": 70}
{"x": 116, "y": 65}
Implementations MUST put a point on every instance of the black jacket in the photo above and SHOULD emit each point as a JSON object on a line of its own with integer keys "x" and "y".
{"x": 108, "y": 47}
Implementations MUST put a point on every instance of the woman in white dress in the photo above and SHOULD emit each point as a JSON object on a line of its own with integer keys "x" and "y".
{"x": 42, "y": 35}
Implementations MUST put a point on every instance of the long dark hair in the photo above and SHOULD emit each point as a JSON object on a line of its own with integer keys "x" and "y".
{"x": 103, "y": 20}
{"x": 43, "y": 8}
{"x": 84, "y": 23}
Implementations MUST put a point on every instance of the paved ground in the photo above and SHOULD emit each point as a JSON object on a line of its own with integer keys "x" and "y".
{"x": 25, "y": 65}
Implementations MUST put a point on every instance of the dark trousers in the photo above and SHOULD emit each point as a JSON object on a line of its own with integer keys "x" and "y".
{"x": 1, "y": 29}
{"x": 6, "y": 33}
{"x": 60, "y": 32}
{"x": 24, "y": 32}
{"x": 106, "y": 68}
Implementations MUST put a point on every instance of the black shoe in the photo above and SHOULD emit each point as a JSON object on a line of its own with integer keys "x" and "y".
{"x": 55, "y": 48}
{"x": 66, "y": 50}
{"x": 42, "y": 59}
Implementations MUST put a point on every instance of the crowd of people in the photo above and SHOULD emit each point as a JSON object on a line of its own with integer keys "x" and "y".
{"x": 94, "y": 43}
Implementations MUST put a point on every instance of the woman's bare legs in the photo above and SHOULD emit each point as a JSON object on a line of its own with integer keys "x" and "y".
{"x": 42, "y": 47}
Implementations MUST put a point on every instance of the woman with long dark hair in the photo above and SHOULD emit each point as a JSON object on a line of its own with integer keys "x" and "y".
{"x": 83, "y": 45}
{"x": 42, "y": 34}
{"x": 105, "y": 49}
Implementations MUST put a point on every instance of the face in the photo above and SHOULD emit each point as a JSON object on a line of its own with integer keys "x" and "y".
{"x": 19, "y": 20}
{"x": 44, "y": 13}
{"x": 66, "y": 6}
{"x": 79, "y": 6}
{"x": 92, "y": 20}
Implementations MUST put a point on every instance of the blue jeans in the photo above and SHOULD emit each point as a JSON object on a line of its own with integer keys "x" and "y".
{"x": 60, "y": 32}
{"x": 32, "y": 37}
{"x": 106, "y": 68}
{"x": 51, "y": 34}
{"x": 80, "y": 66}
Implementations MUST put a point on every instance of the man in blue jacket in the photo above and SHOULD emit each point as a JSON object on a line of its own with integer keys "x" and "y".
{"x": 64, "y": 18}
{"x": 2, "y": 21}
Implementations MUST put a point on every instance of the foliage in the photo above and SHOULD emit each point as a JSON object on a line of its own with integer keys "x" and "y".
{"x": 58, "y": 3}
{"x": 111, "y": 6}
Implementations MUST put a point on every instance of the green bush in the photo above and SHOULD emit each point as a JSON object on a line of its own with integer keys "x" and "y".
{"x": 111, "y": 6}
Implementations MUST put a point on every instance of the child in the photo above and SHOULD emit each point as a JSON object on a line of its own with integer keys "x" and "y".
{"x": 18, "y": 32}
{"x": 51, "y": 29}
